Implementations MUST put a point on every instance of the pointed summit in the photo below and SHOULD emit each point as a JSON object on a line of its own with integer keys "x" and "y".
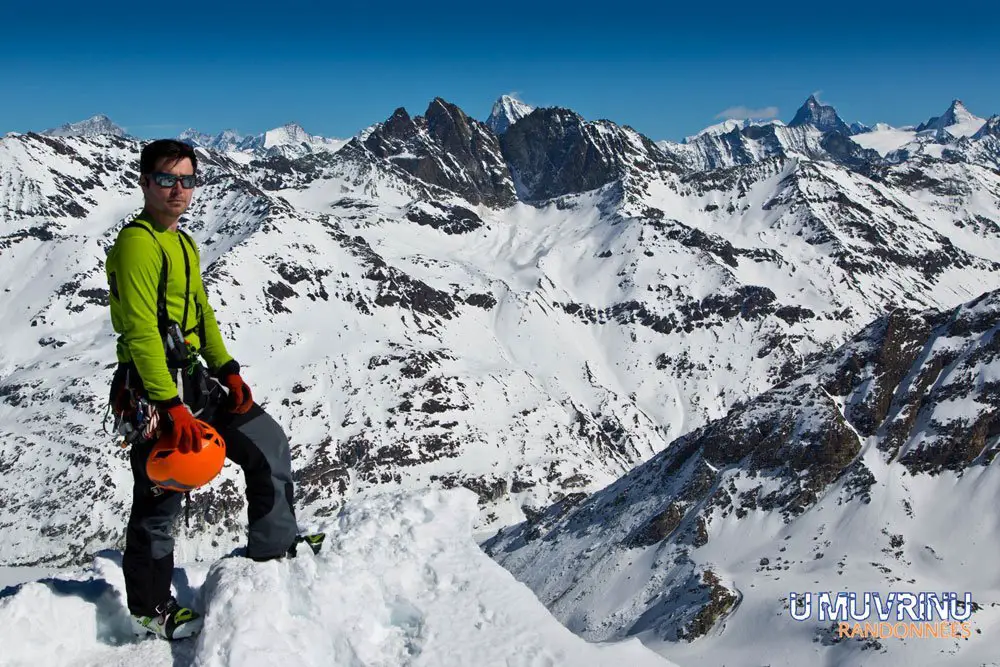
{"x": 289, "y": 133}
{"x": 291, "y": 141}
{"x": 93, "y": 126}
{"x": 822, "y": 117}
{"x": 506, "y": 111}
{"x": 957, "y": 121}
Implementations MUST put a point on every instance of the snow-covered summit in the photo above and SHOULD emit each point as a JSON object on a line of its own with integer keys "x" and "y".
{"x": 399, "y": 582}
{"x": 506, "y": 111}
{"x": 957, "y": 121}
{"x": 287, "y": 134}
{"x": 291, "y": 140}
{"x": 93, "y": 126}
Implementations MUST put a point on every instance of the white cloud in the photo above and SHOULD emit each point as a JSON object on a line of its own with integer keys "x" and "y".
{"x": 741, "y": 112}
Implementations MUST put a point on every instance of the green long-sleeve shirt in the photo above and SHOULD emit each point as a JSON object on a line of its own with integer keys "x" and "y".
{"x": 133, "y": 269}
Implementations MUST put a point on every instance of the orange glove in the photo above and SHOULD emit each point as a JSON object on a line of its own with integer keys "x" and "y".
{"x": 183, "y": 429}
{"x": 240, "y": 398}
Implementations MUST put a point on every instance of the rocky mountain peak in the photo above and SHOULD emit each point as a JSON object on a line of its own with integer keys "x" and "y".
{"x": 399, "y": 126}
{"x": 554, "y": 152}
{"x": 287, "y": 133}
{"x": 447, "y": 148}
{"x": 506, "y": 111}
{"x": 820, "y": 116}
{"x": 859, "y": 128}
{"x": 957, "y": 120}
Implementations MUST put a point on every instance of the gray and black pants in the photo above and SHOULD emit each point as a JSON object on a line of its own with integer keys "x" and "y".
{"x": 256, "y": 443}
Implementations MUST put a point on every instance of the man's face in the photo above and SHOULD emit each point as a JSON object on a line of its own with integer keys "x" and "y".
{"x": 173, "y": 201}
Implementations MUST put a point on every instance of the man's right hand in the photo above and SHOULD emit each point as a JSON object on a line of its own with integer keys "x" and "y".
{"x": 183, "y": 432}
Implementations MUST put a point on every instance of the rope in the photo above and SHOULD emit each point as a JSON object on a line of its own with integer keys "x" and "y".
{"x": 104, "y": 420}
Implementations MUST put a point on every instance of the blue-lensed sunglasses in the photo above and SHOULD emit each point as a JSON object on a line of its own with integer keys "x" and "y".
{"x": 169, "y": 180}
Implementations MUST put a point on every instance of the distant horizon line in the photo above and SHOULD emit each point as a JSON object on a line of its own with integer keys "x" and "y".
{"x": 770, "y": 116}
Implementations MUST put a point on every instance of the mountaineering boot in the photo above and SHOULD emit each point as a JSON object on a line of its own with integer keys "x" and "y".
{"x": 315, "y": 542}
{"x": 171, "y": 621}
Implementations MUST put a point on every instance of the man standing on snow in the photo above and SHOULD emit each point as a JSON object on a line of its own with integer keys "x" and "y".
{"x": 155, "y": 281}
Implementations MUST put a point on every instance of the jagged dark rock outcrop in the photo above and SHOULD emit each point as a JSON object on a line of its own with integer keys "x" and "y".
{"x": 554, "y": 152}
{"x": 848, "y": 153}
{"x": 447, "y": 148}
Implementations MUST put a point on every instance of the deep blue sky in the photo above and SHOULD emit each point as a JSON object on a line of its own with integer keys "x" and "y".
{"x": 158, "y": 67}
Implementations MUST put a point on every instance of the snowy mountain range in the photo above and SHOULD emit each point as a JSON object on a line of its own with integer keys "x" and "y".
{"x": 92, "y": 127}
{"x": 730, "y": 124}
{"x": 819, "y": 133}
{"x": 289, "y": 141}
{"x": 602, "y": 336}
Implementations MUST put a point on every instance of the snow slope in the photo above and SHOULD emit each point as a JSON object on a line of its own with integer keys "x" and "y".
{"x": 872, "y": 472}
{"x": 884, "y": 138}
{"x": 399, "y": 582}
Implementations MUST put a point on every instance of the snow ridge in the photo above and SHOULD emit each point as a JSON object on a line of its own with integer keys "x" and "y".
{"x": 399, "y": 582}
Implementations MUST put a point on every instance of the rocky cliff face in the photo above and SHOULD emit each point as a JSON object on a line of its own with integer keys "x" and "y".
{"x": 554, "y": 152}
{"x": 821, "y": 116}
{"x": 447, "y": 148}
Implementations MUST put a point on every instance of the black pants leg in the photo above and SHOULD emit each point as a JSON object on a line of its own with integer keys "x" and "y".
{"x": 256, "y": 443}
{"x": 148, "y": 562}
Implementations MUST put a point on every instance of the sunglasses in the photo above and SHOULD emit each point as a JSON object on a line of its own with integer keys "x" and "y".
{"x": 169, "y": 180}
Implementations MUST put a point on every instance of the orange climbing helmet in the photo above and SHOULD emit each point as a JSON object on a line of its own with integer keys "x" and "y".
{"x": 169, "y": 469}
